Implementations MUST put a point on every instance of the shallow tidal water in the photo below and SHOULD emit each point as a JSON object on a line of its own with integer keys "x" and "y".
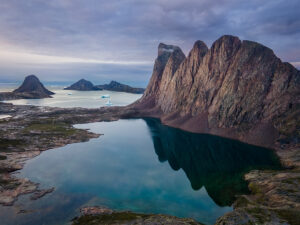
{"x": 143, "y": 166}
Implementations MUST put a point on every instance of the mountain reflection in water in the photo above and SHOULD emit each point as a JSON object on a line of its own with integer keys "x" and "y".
{"x": 216, "y": 163}
{"x": 121, "y": 170}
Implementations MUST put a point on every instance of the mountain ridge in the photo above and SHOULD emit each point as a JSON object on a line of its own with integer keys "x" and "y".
{"x": 236, "y": 89}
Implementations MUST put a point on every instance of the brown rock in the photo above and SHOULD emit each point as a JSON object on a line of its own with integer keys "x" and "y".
{"x": 237, "y": 89}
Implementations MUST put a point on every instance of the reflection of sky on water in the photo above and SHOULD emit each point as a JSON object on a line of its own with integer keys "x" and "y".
{"x": 126, "y": 169}
{"x": 86, "y": 99}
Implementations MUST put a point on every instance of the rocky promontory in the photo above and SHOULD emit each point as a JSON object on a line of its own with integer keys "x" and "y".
{"x": 31, "y": 88}
{"x": 236, "y": 89}
{"x": 83, "y": 85}
{"x": 116, "y": 86}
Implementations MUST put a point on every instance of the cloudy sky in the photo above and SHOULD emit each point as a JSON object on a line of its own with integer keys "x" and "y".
{"x": 64, "y": 40}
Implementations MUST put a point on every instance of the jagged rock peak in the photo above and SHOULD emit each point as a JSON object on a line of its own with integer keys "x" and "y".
{"x": 227, "y": 40}
{"x": 164, "y": 53}
{"x": 163, "y": 49}
{"x": 235, "y": 85}
{"x": 33, "y": 84}
{"x": 200, "y": 48}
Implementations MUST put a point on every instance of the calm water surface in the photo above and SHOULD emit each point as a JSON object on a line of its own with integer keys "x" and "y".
{"x": 69, "y": 98}
{"x": 143, "y": 166}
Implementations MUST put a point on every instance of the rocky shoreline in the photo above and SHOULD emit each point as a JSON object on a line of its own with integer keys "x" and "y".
{"x": 31, "y": 130}
{"x": 274, "y": 198}
{"x": 102, "y": 215}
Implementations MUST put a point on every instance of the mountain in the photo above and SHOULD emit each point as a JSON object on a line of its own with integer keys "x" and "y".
{"x": 32, "y": 84}
{"x": 236, "y": 89}
{"x": 31, "y": 88}
{"x": 115, "y": 86}
{"x": 83, "y": 85}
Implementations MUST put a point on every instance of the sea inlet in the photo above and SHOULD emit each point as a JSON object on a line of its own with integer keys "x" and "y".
{"x": 143, "y": 166}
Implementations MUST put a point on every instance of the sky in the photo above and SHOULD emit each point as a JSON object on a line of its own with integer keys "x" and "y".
{"x": 101, "y": 40}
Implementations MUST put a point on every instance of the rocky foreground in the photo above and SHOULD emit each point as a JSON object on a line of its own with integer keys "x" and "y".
{"x": 32, "y": 130}
{"x": 274, "y": 199}
{"x": 102, "y": 215}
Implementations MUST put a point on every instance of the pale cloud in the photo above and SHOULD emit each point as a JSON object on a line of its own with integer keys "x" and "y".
{"x": 31, "y": 58}
{"x": 127, "y": 32}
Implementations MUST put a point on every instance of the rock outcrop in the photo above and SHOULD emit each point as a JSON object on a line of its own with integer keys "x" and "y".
{"x": 83, "y": 85}
{"x": 31, "y": 88}
{"x": 101, "y": 215}
{"x": 116, "y": 86}
{"x": 237, "y": 89}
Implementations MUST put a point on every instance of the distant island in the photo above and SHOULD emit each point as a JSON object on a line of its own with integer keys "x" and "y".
{"x": 31, "y": 88}
{"x": 116, "y": 86}
{"x": 84, "y": 85}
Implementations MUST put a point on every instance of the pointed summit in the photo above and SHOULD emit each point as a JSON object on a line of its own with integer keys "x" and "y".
{"x": 166, "y": 54}
{"x": 32, "y": 84}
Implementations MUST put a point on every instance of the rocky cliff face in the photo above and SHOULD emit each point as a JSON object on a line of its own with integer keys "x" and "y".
{"x": 237, "y": 89}
{"x": 82, "y": 85}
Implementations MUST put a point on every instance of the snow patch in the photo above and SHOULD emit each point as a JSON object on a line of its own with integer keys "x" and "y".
{"x": 167, "y": 50}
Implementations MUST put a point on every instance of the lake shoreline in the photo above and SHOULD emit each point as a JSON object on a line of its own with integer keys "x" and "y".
{"x": 274, "y": 194}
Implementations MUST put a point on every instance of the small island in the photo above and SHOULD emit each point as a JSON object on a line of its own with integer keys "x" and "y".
{"x": 116, "y": 86}
{"x": 84, "y": 85}
{"x": 31, "y": 88}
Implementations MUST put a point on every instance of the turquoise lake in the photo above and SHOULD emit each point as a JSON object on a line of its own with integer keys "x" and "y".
{"x": 143, "y": 166}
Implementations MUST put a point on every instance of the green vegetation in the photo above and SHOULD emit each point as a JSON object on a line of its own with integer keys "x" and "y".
{"x": 9, "y": 184}
{"x": 5, "y": 144}
{"x": 289, "y": 125}
{"x": 241, "y": 201}
{"x": 255, "y": 189}
{"x": 3, "y": 182}
{"x": 3, "y": 157}
{"x": 50, "y": 127}
{"x": 289, "y": 215}
{"x": 260, "y": 214}
{"x": 293, "y": 180}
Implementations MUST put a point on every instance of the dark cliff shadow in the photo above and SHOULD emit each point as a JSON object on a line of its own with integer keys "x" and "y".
{"x": 216, "y": 163}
